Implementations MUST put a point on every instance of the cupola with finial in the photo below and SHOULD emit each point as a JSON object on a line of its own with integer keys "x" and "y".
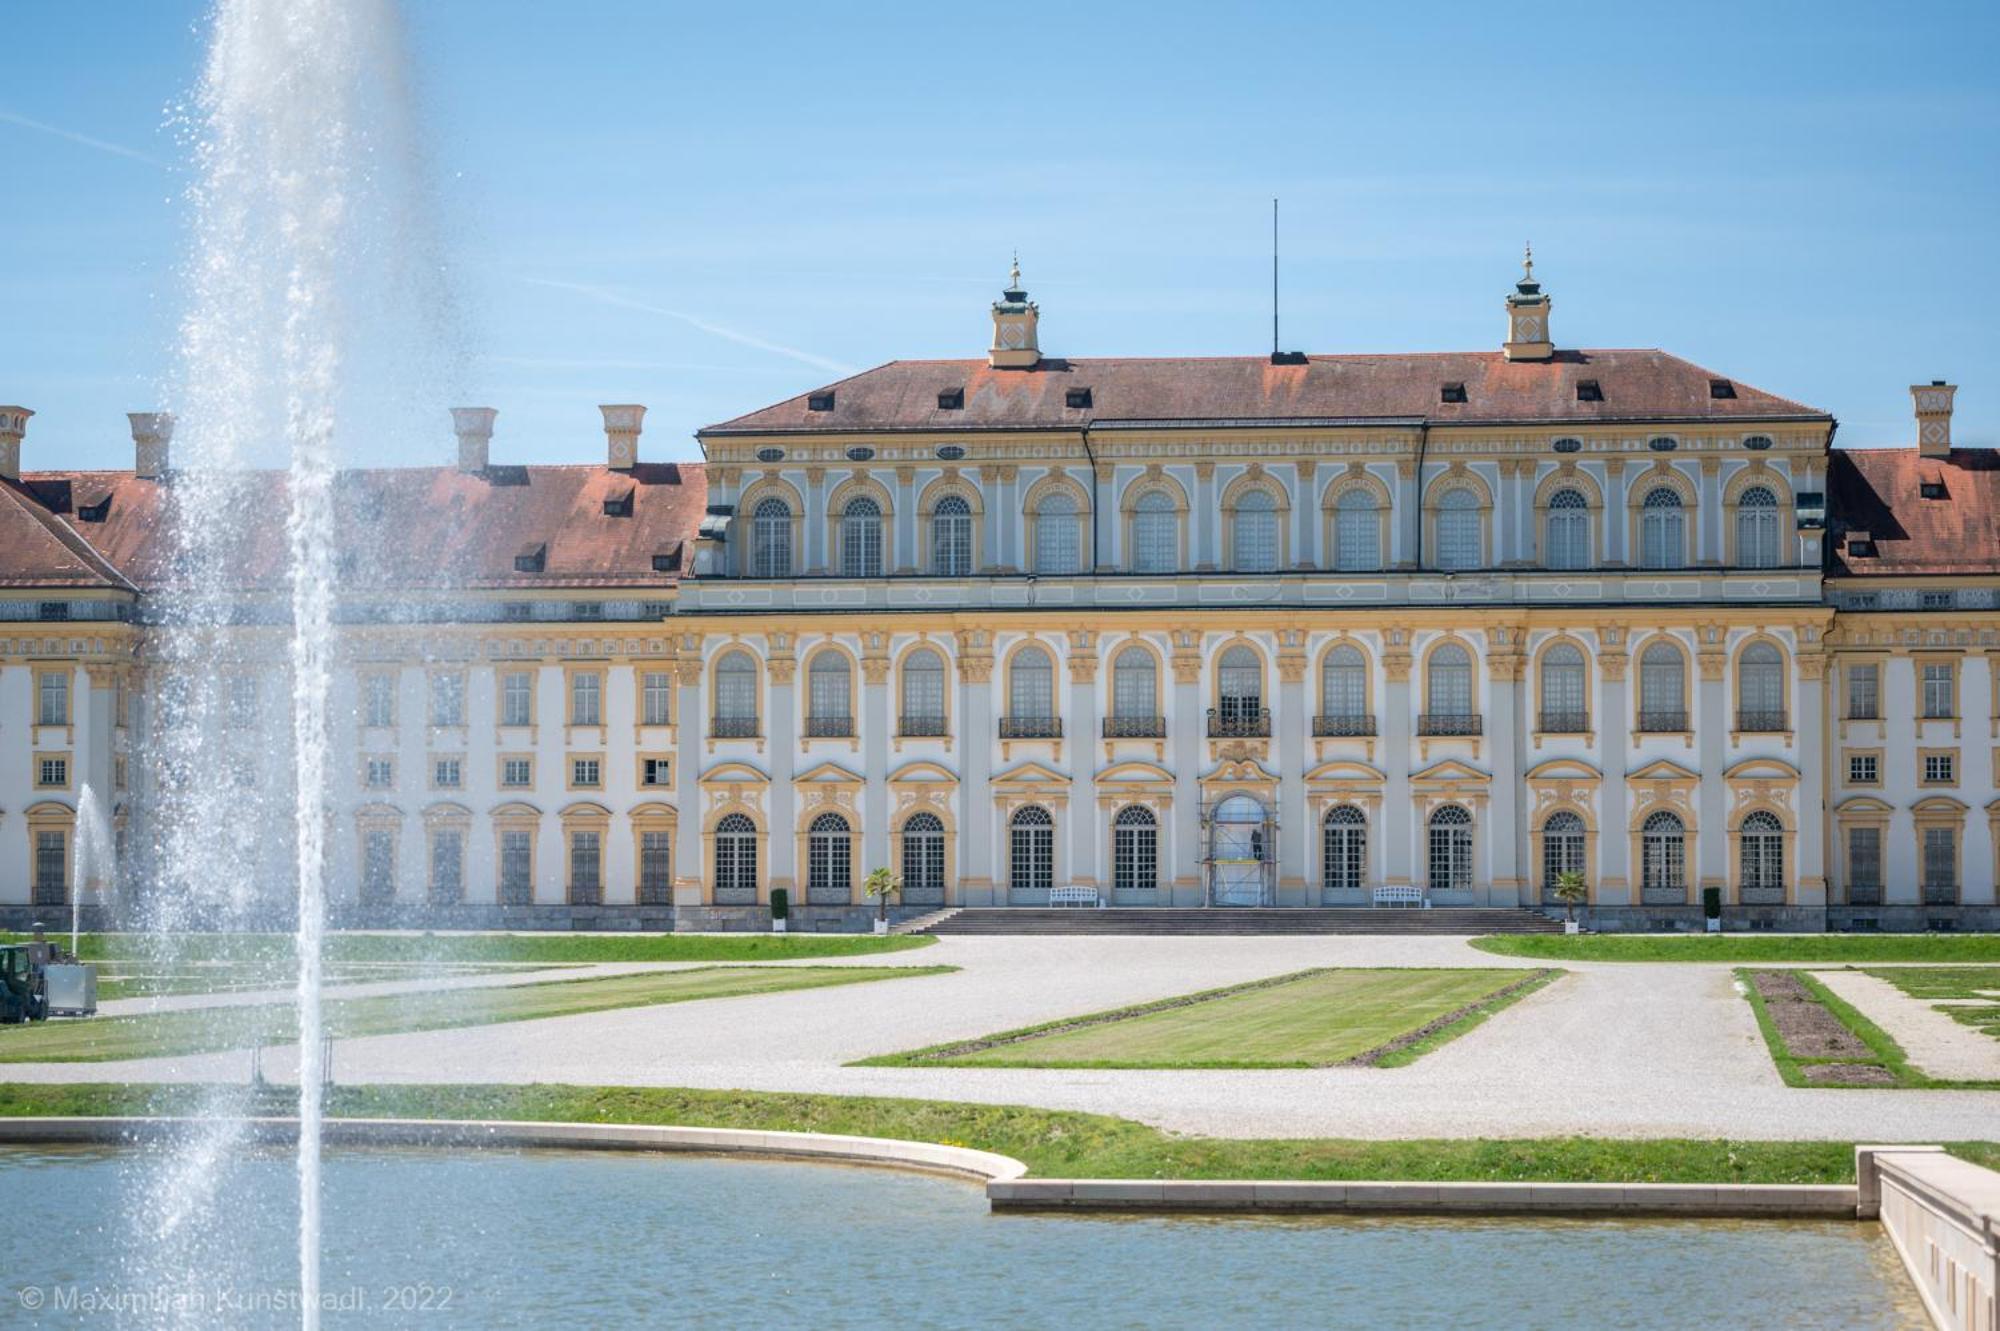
{"x": 1014, "y": 318}
{"x": 1528, "y": 316}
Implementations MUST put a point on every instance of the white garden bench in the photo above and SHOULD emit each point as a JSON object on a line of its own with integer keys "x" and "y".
{"x": 1074, "y": 896}
{"x": 1401, "y": 894}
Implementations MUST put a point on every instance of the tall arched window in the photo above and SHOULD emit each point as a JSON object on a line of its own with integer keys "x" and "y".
{"x": 1056, "y": 544}
{"x": 1662, "y": 689}
{"x": 1254, "y": 533}
{"x": 951, "y": 537}
{"x": 923, "y": 693}
{"x": 829, "y": 696}
{"x": 1343, "y": 850}
{"x": 1458, "y": 543}
{"x": 1031, "y": 692}
{"x": 1240, "y": 692}
{"x": 1760, "y": 688}
{"x": 1135, "y": 703}
{"x": 1762, "y": 856}
{"x": 1564, "y": 710}
{"x": 1568, "y": 531}
{"x": 1155, "y": 533}
{"x": 1451, "y": 849}
{"x": 829, "y": 861}
{"x": 1343, "y": 692}
{"x": 1031, "y": 847}
{"x": 1757, "y": 528}
{"x": 1357, "y": 532}
{"x": 771, "y": 539}
{"x": 1662, "y": 529}
{"x": 1135, "y": 850}
{"x": 1448, "y": 683}
{"x": 735, "y": 695}
{"x": 1662, "y": 861}
{"x": 735, "y": 861}
{"x": 923, "y": 860}
{"x": 861, "y": 538}
{"x": 1562, "y": 849}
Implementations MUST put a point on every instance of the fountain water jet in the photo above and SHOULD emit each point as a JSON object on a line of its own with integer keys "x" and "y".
{"x": 96, "y": 861}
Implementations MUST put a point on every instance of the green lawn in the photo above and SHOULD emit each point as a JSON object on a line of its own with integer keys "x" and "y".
{"x": 1971, "y": 982}
{"x": 1746, "y": 949}
{"x": 1051, "y": 1143}
{"x": 1314, "y": 1018}
{"x": 546, "y": 948}
{"x": 141, "y": 978}
{"x": 205, "y": 1029}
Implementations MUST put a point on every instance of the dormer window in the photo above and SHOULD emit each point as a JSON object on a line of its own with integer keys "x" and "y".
{"x": 516, "y": 612}
{"x": 618, "y": 505}
{"x": 1931, "y": 489}
{"x": 1860, "y": 545}
{"x": 532, "y": 558}
{"x": 951, "y": 399}
{"x": 1452, "y": 393}
{"x": 1076, "y": 397}
{"x": 1721, "y": 388}
{"x": 820, "y": 401}
{"x": 96, "y": 512}
{"x": 665, "y": 561}
{"x": 1588, "y": 391}
{"x": 587, "y": 609}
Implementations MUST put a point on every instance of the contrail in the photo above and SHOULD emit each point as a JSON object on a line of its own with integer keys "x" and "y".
{"x": 58, "y": 131}
{"x": 730, "y": 334}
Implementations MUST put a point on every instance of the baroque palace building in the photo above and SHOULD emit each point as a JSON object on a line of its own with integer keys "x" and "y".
{"x": 1244, "y": 631}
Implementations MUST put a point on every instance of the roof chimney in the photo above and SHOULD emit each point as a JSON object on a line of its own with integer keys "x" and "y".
{"x": 152, "y": 432}
{"x": 621, "y": 428}
{"x": 13, "y": 424}
{"x": 474, "y": 428}
{"x": 1933, "y": 417}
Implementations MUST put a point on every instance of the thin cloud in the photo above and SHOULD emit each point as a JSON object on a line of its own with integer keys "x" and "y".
{"x": 622, "y": 301}
{"x": 57, "y": 131}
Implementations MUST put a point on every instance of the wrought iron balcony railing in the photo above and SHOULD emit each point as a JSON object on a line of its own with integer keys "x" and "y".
{"x": 1135, "y": 727}
{"x": 829, "y": 727}
{"x": 733, "y": 727}
{"x": 1030, "y": 727}
{"x": 1761, "y": 722}
{"x": 920, "y": 727}
{"x": 1565, "y": 723}
{"x": 1451, "y": 723}
{"x": 1346, "y": 723}
{"x": 1663, "y": 723}
{"x": 1244, "y": 723}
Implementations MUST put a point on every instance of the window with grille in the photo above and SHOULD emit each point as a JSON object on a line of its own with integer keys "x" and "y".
{"x": 1031, "y": 857}
{"x": 378, "y": 865}
{"x": 448, "y": 700}
{"x": 736, "y": 687}
{"x": 1135, "y": 850}
{"x": 1448, "y": 686}
{"x": 1451, "y": 849}
{"x": 1562, "y": 849}
{"x": 586, "y": 867}
{"x": 1863, "y": 769}
{"x": 1864, "y": 691}
{"x": 1662, "y": 696}
{"x": 1940, "y": 769}
{"x": 1564, "y": 710}
{"x": 1031, "y": 690}
{"x": 829, "y": 847}
{"x": 447, "y": 864}
{"x": 656, "y": 869}
{"x": 53, "y": 772}
{"x": 516, "y": 772}
{"x": 861, "y": 539}
{"x": 517, "y": 699}
{"x": 1357, "y": 533}
{"x": 923, "y": 689}
{"x": 1662, "y": 529}
{"x": 656, "y": 698}
{"x": 735, "y": 861}
{"x": 1254, "y": 533}
{"x": 1757, "y": 528}
{"x": 585, "y": 772}
{"x": 1344, "y": 683}
{"x": 1240, "y": 685}
{"x": 242, "y": 701}
{"x": 1760, "y": 688}
{"x": 951, "y": 537}
{"x": 829, "y": 696}
{"x": 1940, "y": 690}
{"x": 1134, "y": 680}
{"x": 51, "y": 868}
{"x": 1940, "y": 865}
{"x": 923, "y": 860}
{"x": 771, "y": 539}
{"x": 379, "y": 773}
{"x": 1864, "y": 865}
{"x": 586, "y": 699}
{"x": 1344, "y": 850}
{"x": 1155, "y": 534}
{"x": 1763, "y": 858}
{"x": 445, "y": 774}
{"x": 1662, "y": 861}
{"x": 381, "y": 700}
{"x": 517, "y": 887}
{"x": 1458, "y": 543}
{"x": 1056, "y": 542}
{"x": 1568, "y": 530}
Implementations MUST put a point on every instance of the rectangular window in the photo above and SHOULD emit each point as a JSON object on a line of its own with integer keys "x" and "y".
{"x": 655, "y": 772}
{"x": 656, "y": 700}
{"x": 1864, "y": 866}
{"x": 1940, "y": 769}
{"x": 1863, "y": 770}
{"x": 378, "y": 700}
{"x": 1864, "y": 692}
{"x": 51, "y": 868}
{"x": 586, "y": 699}
{"x": 53, "y": 773}
{"x": 1940, "y": 866}
{"x": 1940, "y": 690}
{"x": 517, "y": 772}
{"x": 517, "y": 612}
{"x": 447, "y": 700}
{"x": 378, "y": 865}
{"x": 517, "y": 698}
{"x": 516, "y": 868}
{"x": 52, "y": 707}
{"x": 447, "y": 864}
{"x": 1936, "y": 600}
{"x": 656, "y": 869}
{"x": 243, "y": 701}
{"x": 380, "y": 773}
{"x": 586, "y": 882}
{"x": 584, "y": 772}
{"x": 445, "y": 774}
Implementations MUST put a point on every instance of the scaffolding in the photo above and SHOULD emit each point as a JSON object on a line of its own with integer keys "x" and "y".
{"x": 1239, "y": 852}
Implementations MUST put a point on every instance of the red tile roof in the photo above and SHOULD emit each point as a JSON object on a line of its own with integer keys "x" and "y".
{"x": 1879, "y": 491}
{"x": 38, "y": 549}
{"x": 1636, "y": 386}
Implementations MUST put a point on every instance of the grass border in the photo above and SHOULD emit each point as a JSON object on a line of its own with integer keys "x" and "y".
{"x": 1822, "y": 951}
{"x": 1399, "y": 1054}
{"x": 1888, "y": 1053}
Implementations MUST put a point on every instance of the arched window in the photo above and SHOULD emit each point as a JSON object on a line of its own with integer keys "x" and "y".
{"x": 1662, "y": 529}
{"x": 735, "y": 861}
{"x": 771, "y": 539}
{"x": 1662, "y": 692}
{"x": 1757, "y": 528}
{"x": 1056, "y": 546}
{"x": 1343, "y": 692}
{"x": 1031, "y": 844}
{"x": 923, "y": 860}
{"x": 1239, "y": 690}
{"x": 829, "y": 698}
{"x": 1562, "y": 849}
{"x": 1568, "y": 540}
{"x": 1135, "y": 850}
{"x": 1448, "y": 682}
{"x": 1357, "y": 532}
{"x": 1344, "y": 850}
{"x": 923, "y": 693}
{"x": 1451, "y": 849}
{"x": 1760, "y": 688}
{"x": 1662, "y": 861}
{"x": 1134, "y": 689}
{"x": 1031, "y": 689}
{"x": 1564, "y": 710}
{"x": 951, "y": 537}
{"x": 1155, "y": 533}
{"x": 1254, "y": 533}
{"x": 861, "y": 538}
{"x": 1458, "y": 543}
{"x": 829, "y": 861}
{"x": 735, "y": 694}
{"x": 1763, "y": 859}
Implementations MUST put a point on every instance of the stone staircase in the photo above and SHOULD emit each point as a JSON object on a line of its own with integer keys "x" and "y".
{"x": 1448, "y": 920}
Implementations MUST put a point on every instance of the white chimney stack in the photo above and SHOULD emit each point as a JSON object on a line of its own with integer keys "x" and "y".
{"x": 152, "y": 436}
{"x": 13, "y": 424}
{"x": 621, "y": 428}
{"x": 474, "y": 428}
{"x": 1933, "y": 417}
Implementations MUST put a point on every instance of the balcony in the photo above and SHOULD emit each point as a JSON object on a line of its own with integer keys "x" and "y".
{"x": 1564, "y": 723}
{"x": 1240, "y": 723}
{"x": 1135, "y": 727}
{"x": 829, "y": 727}
{"x": 1451, "y": 723}
{"x": 1763, "y": 723}
{"x": 1344, "y": 725}
{"x": 1030, "y": 727}
{"x": 732, "y": 727}
{"x": 1663, "y": 723}
{"x": 920, "y": 727}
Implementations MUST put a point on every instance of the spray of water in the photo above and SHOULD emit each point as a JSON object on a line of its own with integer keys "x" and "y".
{"x": 96, "y": 862}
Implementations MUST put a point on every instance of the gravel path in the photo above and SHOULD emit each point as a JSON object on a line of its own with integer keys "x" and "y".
{"x": 1937, "y": 1044}
{"x": 129, "y": 1007}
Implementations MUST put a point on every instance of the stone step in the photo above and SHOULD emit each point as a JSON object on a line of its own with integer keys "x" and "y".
{"x": 1195, "y": 921}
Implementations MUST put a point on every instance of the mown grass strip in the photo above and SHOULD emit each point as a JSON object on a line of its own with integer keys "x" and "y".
{"x": 1883, "y": 1049}
{"x": 1746, "y": 949}
{"x": 558, "y": 948}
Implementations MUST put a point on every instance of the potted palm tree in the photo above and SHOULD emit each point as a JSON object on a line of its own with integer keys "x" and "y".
{"x": 1570, "y": 889}
{"x": 880, "y": 885}
{"x": 781, "y": 909}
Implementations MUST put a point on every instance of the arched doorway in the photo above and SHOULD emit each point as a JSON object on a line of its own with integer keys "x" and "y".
{"x": 1242, "y": 847}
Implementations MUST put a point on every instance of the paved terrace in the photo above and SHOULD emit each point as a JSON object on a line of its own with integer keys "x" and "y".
{"x": 1632, "y": 1050}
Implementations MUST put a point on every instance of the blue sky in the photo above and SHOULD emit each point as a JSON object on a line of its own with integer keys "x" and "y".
{"x": 708, "y": 208}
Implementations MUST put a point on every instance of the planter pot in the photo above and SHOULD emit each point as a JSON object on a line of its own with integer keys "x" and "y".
{"x": 778, "y": 926}
{"x": 881, "y": 926}
{"x": 1715, "y": 926}
{"x": 1572, "y": 927}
